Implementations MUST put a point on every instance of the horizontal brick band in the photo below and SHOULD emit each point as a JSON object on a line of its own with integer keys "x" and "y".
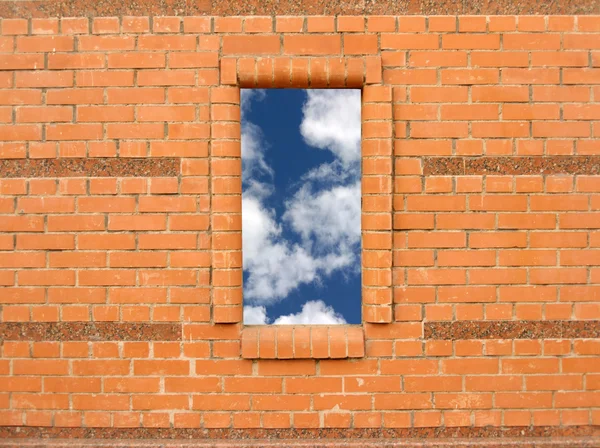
{"x": 88, "y": 331}
{"x": 461, "y": 166}
{"x": 512, "y": 329}
{"x": 522, "y": 442}
{"x": 71, "y": 8}
{"x": 334, "y": 434}
{"x": 84, "y": 167}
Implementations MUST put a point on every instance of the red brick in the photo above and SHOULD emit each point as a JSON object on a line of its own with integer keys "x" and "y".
{"x": 45, "y": 43}
{"x": 409, "y": 41}
{"x": 471, "y": 42}
{"x": 264, "y": 44}
{"x": 311, "y": 45}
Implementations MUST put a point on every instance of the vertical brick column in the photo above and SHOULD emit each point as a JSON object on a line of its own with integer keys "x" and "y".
{"x": 226, "y": 205}
{"x": 376, "y": 197}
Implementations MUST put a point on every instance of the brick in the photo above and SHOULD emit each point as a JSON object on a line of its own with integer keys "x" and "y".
{"x": 408, "y": 401}
{"x": 463, "y": 401}
{"x": 165, "y": 113}
{"x": 166, "y": 78}
{"x": 149, "y": 42}
{"x": 44, "y": 44}
{"x": 311, "y": 45}
{"x": 360, "y": 44}
{"x": 136, "y": 60}
{"x": 409, "y": 42}
{"x": 74, "y": 132}
{"x": 554, "y": 382}
{"x": 106, "y": 278}
{"x": 44, "y": 79}
{"x": 14, "y": 26}
{"x": 78, "y": 385}
{"x": 471, "y": 42}
{"x": 105, "y": 113}
{"x": 442, "y": 23}
{"x": 500, "y": 94}
{"x": 470, "y": 366}
{"x": 523, "y": 41}
{"x": 135, "y": 131}
{"x": 152, "y": 402}
{"x": 521, "y": 400}
{"x": 320, "y": 24}
{"x": 412, "y": 24}
{"x": 264, "y": 44}
{"x": 105, "y": 25}
{"x": 469, "y": 112}
{"x": 40, "y": 367}
{"x": 74, "y": 96}
{"x": 40, "y": 401}
{"x": 43, "y": 114}
{"x": 221, "y": 403}
{"x": 101, "y": 402}
{"x": 289, "y": 24}
{"x": 74, "y": 25}
{"x": 581, "y": 76}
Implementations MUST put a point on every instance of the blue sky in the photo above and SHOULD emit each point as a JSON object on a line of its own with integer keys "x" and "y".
{"x": 301, "y": 206}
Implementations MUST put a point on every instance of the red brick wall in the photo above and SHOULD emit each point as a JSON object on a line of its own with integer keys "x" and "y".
{"x": 120, "y": 243}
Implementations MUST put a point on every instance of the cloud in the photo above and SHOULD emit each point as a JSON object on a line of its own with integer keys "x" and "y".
{"x": 331, "y": 217}
{"x": 253, "y": 158}
{"x": 331, "y": 120}
{"x": 331, "y": 173}
{"x": 275, "y": 267}
{"x": 255, "y": 315}
{"x": 249, "y": 95}
{"x": 314, "y": 312}
{"x": 253, "y": 143}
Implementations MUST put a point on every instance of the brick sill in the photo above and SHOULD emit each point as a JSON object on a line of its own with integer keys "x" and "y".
{"x": 303, "y": 342}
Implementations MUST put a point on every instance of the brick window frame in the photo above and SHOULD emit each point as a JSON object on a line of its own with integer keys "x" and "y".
{"x": 365, "y": 73}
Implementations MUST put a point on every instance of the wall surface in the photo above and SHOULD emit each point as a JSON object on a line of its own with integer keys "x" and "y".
{"x": 120, "y": 242}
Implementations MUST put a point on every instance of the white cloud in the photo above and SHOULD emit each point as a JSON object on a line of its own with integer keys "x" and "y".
{"x": 331, "y": 173}
{"x": 331, "y": 217}
{"x": 275, "y": 267}
{"x": 253, "y": 143}
{"x": 253, "y": 148}
{"x": 314, "y": 312}
{"x": 255, "y": 315}
{"x": 332, "y": 121}
{"x": 249, "y": 95}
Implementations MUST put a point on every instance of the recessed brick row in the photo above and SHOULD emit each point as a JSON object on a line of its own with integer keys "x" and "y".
{"x": 87, "y": 331}
{"x": 71, "y": 8}
{"x": 459, "y": 166}
{"x": 83, "y": 167}
{"x": 512, "y": 329}
{"x": 127, "y": 436}
{"x": 286, "y": 342}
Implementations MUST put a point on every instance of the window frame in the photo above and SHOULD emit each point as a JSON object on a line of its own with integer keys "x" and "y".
{"x": 225, "y": 164}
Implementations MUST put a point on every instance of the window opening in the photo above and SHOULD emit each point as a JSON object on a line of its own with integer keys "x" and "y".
{"x": 301, "y": 206}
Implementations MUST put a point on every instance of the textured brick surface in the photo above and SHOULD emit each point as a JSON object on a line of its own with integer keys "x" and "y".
{"x": 120, "y": 228}
{"x": 72, "y": 9}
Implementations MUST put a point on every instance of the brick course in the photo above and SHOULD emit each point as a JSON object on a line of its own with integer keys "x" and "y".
{"x": 120, "y": 251}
